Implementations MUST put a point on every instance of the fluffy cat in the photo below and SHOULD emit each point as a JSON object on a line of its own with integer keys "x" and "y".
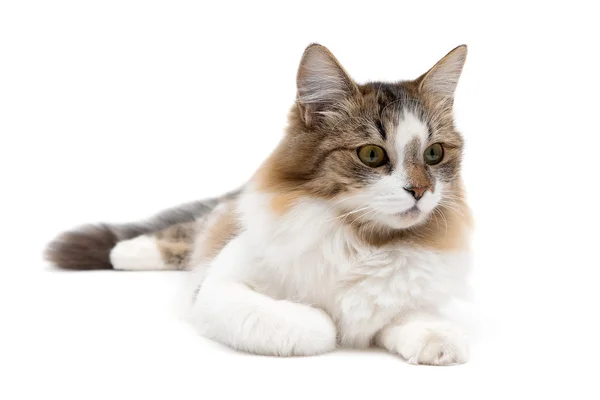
{"x": 354, "y": 232}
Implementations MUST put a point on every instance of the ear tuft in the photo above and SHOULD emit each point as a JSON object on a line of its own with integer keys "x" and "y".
{"x": 442, "y": 79}
{"x": 321, "y": 80}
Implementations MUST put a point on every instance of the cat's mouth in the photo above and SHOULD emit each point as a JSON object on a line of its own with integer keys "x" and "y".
{"x": 404, "y": 219}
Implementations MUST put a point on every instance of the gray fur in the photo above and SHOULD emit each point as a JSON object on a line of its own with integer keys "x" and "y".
{"x": 88, "y": 247}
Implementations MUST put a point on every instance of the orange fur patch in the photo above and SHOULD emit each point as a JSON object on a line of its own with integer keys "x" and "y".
{"x": 221, "y": 227}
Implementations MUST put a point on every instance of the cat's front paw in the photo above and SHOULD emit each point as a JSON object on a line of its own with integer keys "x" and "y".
{"x": 433, "y": 343}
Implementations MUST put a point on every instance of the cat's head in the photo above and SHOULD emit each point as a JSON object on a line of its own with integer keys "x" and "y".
{"x": 383, "y": 154}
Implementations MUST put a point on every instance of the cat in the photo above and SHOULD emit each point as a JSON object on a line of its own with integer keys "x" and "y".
{"x": 354, "y": 232}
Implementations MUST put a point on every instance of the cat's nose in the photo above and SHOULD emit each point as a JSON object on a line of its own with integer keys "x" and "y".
{"x": 416, "y": 191}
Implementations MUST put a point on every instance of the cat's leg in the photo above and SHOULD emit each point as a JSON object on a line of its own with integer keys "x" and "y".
{"x": 167, "y": 249}
{"x": 232, "y": 313}
{"x": 425, "y": 338}
{"x": 229, "y": 311}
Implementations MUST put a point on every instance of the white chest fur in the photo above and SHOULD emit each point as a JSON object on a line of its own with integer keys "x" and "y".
{"x": 308, "y": 257}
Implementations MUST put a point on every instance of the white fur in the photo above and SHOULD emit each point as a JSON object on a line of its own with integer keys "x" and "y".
{"x": 138, "y": 254}
{"x": 424, "y": 338}
{"x": 268, "y": 288}
{"x": 409, "y": 128}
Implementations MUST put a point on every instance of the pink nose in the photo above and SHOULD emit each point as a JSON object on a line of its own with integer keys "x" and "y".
{"x": 417, "y": 192}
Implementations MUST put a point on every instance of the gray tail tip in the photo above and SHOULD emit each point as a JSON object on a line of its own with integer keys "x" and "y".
{"x": 85, "y": 248}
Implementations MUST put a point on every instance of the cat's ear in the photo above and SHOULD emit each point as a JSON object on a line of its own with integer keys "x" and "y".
{"x": 441, "y": 80}
{"x": 321, "y": 82}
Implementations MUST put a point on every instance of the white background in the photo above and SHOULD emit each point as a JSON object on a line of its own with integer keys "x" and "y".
{"x": 113, "y": 110}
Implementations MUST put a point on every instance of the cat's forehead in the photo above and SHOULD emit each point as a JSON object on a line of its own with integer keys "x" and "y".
{"x": 409, "y": 127}
{"x": 398, "y": 111}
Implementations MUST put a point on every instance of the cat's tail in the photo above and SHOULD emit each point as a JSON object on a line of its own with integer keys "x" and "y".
{"x": 161, "y": 242}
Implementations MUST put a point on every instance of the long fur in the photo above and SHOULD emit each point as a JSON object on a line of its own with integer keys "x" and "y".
{"x": 87, "y": 247}
{"x": 323, "y": 248}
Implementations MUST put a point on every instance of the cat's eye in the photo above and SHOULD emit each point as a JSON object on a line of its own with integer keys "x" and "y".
{"x": 372, "y": 156}
{"x": 433, "y": 154}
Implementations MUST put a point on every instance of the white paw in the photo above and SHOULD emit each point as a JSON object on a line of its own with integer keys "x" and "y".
{"x": 433, "y": 343}
{"x": 310, "y": 333}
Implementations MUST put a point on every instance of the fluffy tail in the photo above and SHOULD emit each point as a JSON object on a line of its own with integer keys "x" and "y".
{"x": 89, "y": 247}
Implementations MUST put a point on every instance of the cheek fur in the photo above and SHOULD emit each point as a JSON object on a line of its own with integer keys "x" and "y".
{"x": 383, "y": 195}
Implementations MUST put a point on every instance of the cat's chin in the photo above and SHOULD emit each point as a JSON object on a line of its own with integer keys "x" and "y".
{"x": 404, "y": 220}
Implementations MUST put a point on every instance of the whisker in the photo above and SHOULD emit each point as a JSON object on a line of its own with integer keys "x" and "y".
{"x": 346, "y": 214}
